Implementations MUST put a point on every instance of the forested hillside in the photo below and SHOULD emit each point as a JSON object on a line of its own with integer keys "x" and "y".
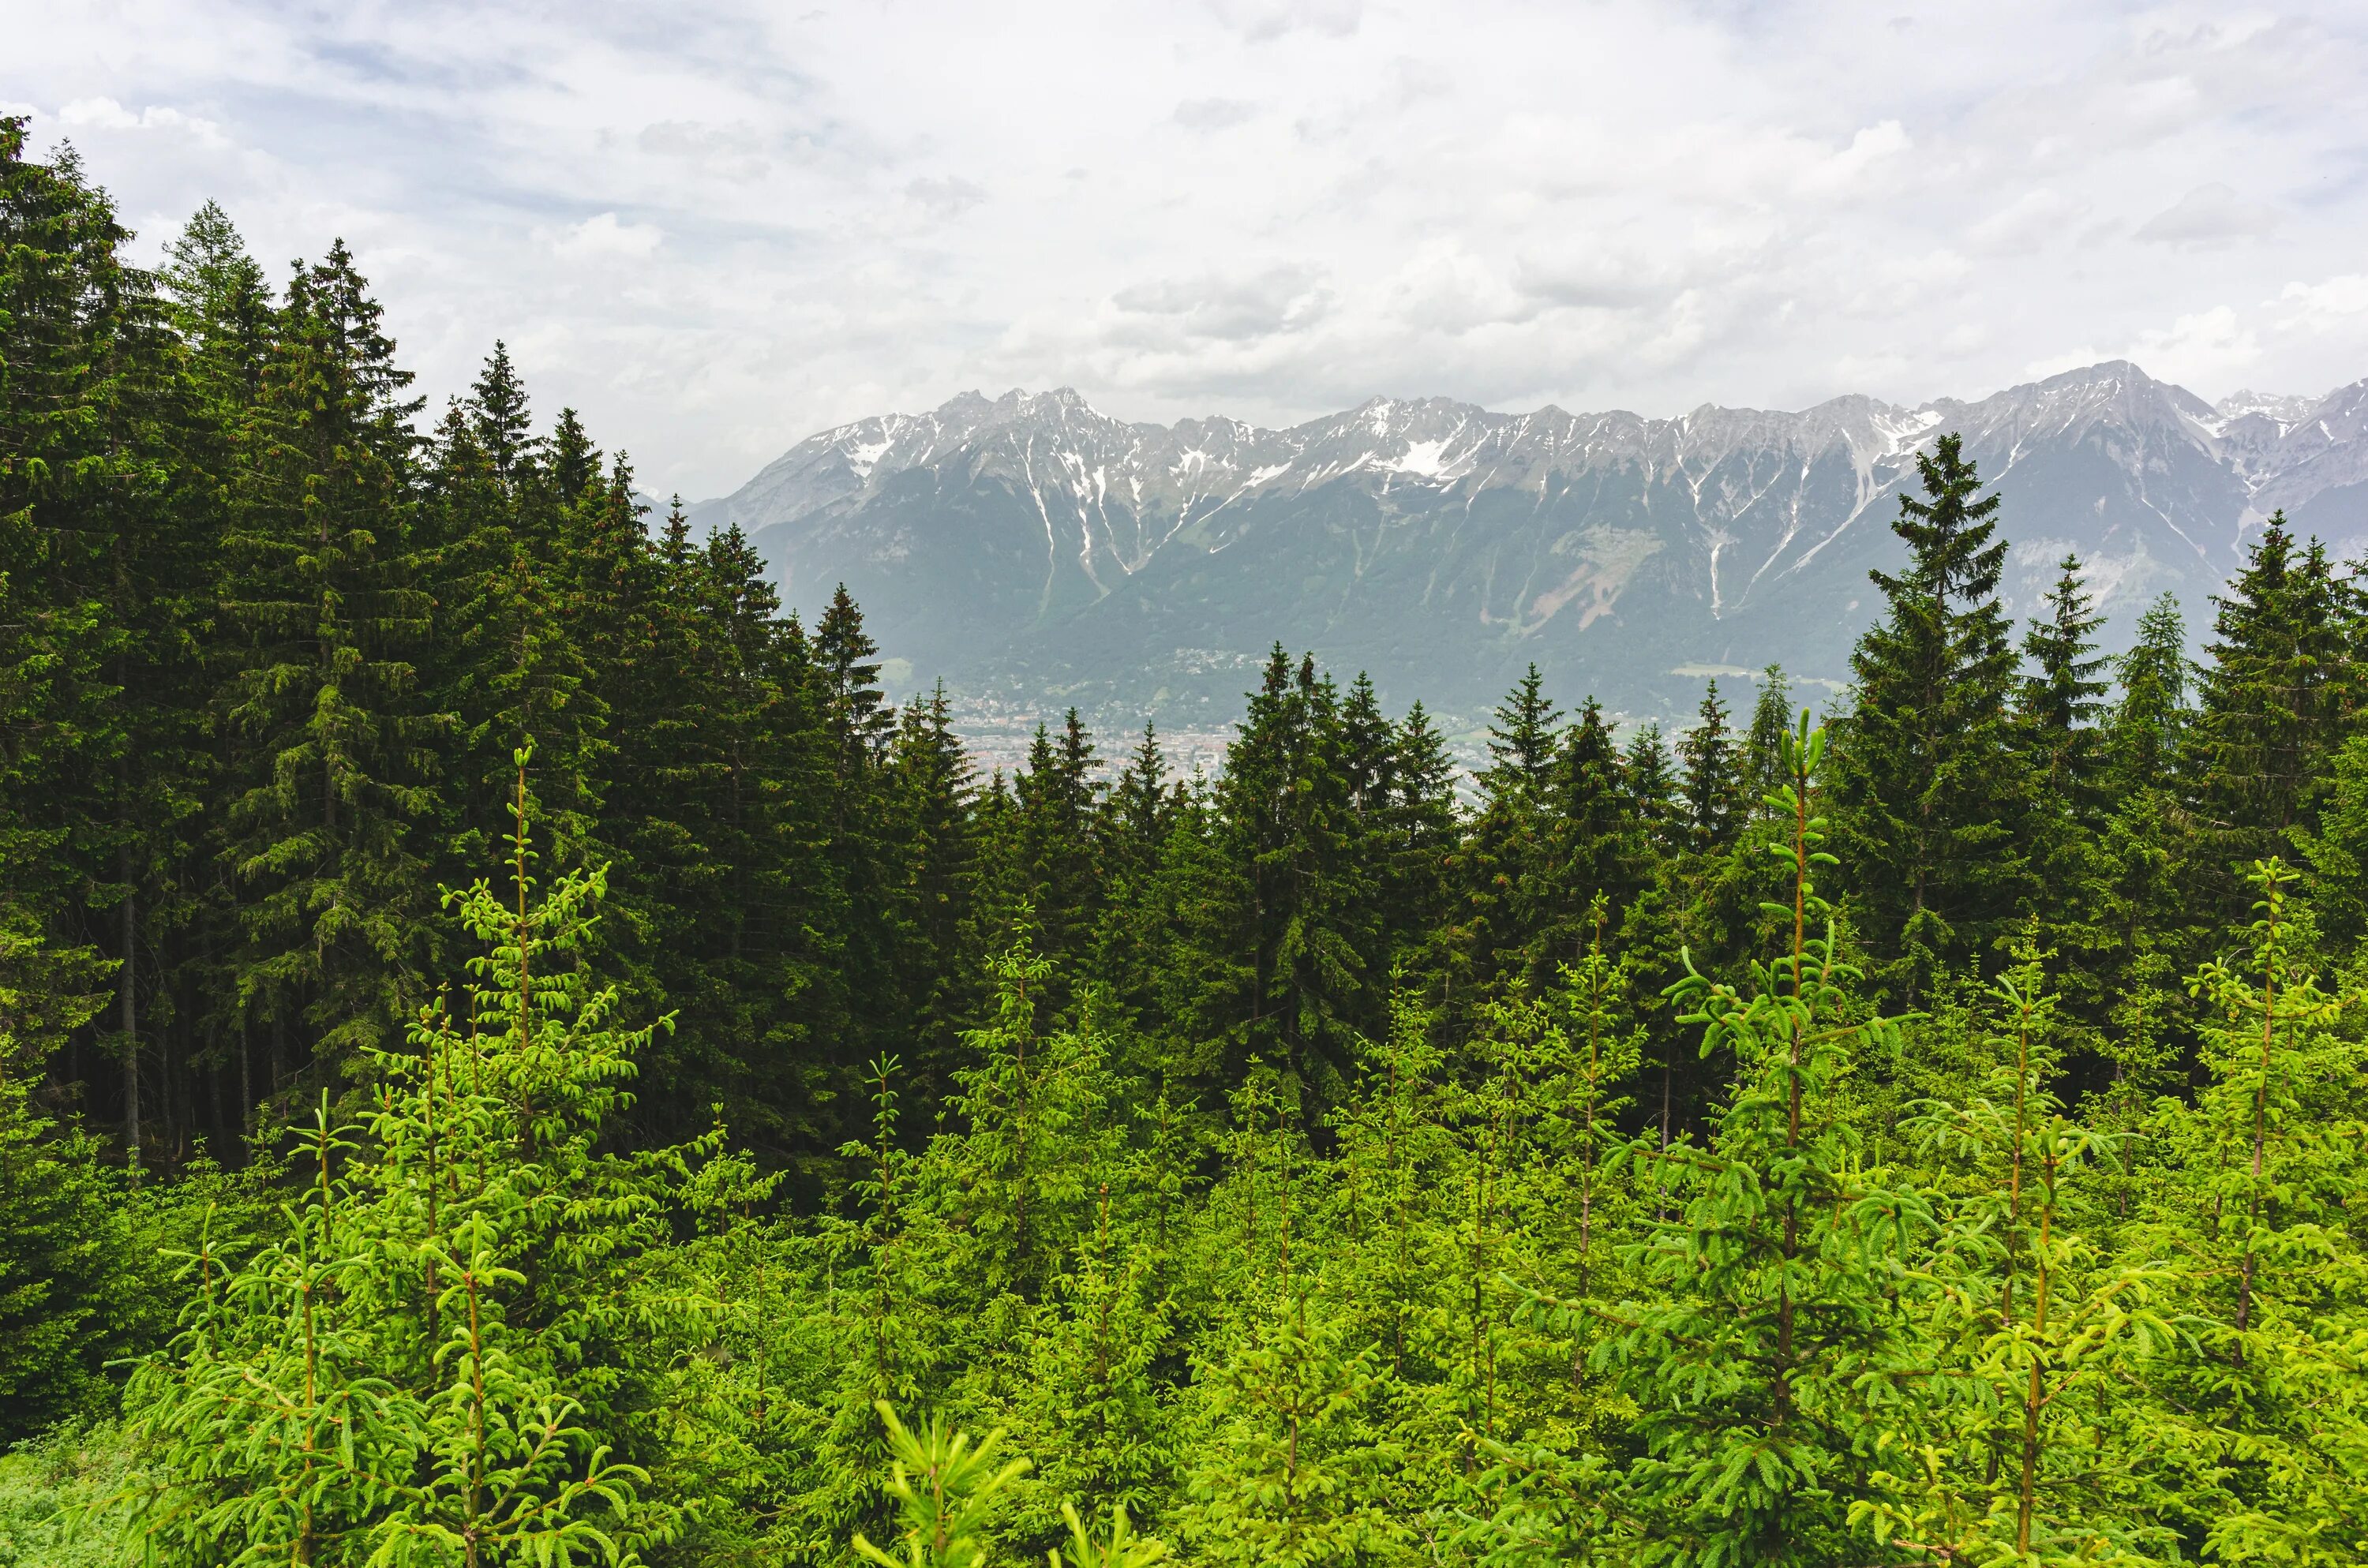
{"x": 518, "y": 1051}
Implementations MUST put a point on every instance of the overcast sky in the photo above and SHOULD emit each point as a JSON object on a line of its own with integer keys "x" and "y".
{"x": 717, "y": 227}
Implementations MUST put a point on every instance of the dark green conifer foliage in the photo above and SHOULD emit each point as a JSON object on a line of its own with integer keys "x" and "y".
{"x": 338, "y": 770}
{"x": 1651, "y": 786}
{"x": 69, "y": 1291}
{"x": 2056, "y": 711}
{"x": 2276, "y": 700}
{"x": 1300, "y": 913}
{"x": 1059, "y": 802}
{"x": 1710, "y": 792}
{"x": 107, "y": 568}
{"x": 2148, "y": 722}
{"x": 513, "y": 672}
{"x": 1771, "y": 721}
{"x": 937, "y": 971}
{"x": 1595, "y": 815}
{"x": 1140, "y": 815}
{"x": 2061, "y": 697}
{"x": 1418, "y": 842}
{"x": 1926, "y": 799}
{"x": 1509, "y": 871}
{"x": 574, "y": 462}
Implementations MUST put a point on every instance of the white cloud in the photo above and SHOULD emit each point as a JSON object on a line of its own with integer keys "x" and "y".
{"x": 604, "y": 233}
{"x": 2318, "y": 306}
{"x": 716, "y": 232}
{"x": 106, "y": 114}
{"x": 2212, "y": 344}
{"x": 1873, "y": 144}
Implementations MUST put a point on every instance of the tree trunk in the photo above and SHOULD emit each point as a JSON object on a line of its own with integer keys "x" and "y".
{"x": 131, "y": 1015}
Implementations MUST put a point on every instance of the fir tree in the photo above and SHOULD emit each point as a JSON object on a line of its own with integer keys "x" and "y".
{"x": 1927, "y": 799}
{"x": 1771, "y": 721}
{"x": 1711, "y": 788}
{"x": 1509, "y": 871}
{"x": 338, "y": 770}
{"x": 1759, "y": 1373}
{"x": 2276, "y": 700}
{"x": 427, "y": 1358}
{"x": 1651, "y": 788}
{"x": 1417, "y": 834}
{"x": 2060, "y": 698}
{"x": 1301, "y": 910}
{"x": 2144, "y": 731}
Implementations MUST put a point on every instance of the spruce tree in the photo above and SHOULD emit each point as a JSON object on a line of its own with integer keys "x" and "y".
{"x": 338, "y": 773}
{"x": 1771, "y": 721}
{"x": 2148, "y": 723}
{"x": 106, "y": 569}
{"x": 1711, "y": 787}
{"x": 1761, "y": 1368}
{"x": 1508, "y": 869}
{"x": 508, "y": 667}
{"x": 2060, "y": 698}
{"x": 1418, "y": 842}
{"x": 934, "y": 782}
{"x": 1651, "y": 787}
{"x": 1929, "y": 797}
{"x": 431, "y": 1359}
{"x": 1300, "y": 910}
{"x": 2276, "y": 702}
{"x": 1060, "y": 828}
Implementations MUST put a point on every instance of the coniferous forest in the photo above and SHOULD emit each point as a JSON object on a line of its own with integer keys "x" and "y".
{"x": 520, "y": 1052}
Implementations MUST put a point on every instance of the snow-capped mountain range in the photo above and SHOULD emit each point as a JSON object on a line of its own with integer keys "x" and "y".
{"x": 1035, "y": 552}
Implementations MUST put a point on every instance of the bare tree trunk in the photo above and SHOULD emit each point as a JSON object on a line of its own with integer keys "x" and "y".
{"x": 131, "y": 1013}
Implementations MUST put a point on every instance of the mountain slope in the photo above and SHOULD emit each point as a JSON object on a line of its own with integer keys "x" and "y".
{"x": 1036, "y": 552}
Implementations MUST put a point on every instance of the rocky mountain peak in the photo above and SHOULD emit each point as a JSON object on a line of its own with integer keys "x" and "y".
{"x": 1031, "y": 548}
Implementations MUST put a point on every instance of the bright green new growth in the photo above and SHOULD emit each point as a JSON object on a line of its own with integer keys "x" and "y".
{"x": 945, "y": 1489}
{"x": 423, "y": 1366}
{"x": 1770, "y": 1363}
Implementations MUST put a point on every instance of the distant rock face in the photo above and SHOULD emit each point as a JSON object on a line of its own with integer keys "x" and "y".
{"x": 1036, "y": 553}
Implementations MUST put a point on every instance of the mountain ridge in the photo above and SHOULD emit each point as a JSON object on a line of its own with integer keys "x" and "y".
{"x": 1037, "y": 552}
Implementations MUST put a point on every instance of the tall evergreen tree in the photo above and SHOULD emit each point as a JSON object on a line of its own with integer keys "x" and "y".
{"x": 1300, "y": 906}
{"x": 1508, "y": 856}
{"x": 2060, "y": 697}
{"x": 1059, "y": 824}
{"x": 934, "y": 782}
{"x": 1927, "y": 799}
{"x": 2277, "y": 699}
{"x": 339, "y": 770}
{"x": 1419, "y": 835}
{"x": 1710, "y": 792}
{"x": 1652, "y": 787}
{"x": 2144, "y": 730}
{"x": 107, "y": 565}
{"x": 1771, "y": 721}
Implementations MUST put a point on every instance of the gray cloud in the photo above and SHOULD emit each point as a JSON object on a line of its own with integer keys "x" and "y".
{"x": 2207, "y": 213}
{"x": 1213, "y": 114}
{"x": 1262, "y": 21}
{"x": 948, "y": 196}
{"x": 1258, "y": 304}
